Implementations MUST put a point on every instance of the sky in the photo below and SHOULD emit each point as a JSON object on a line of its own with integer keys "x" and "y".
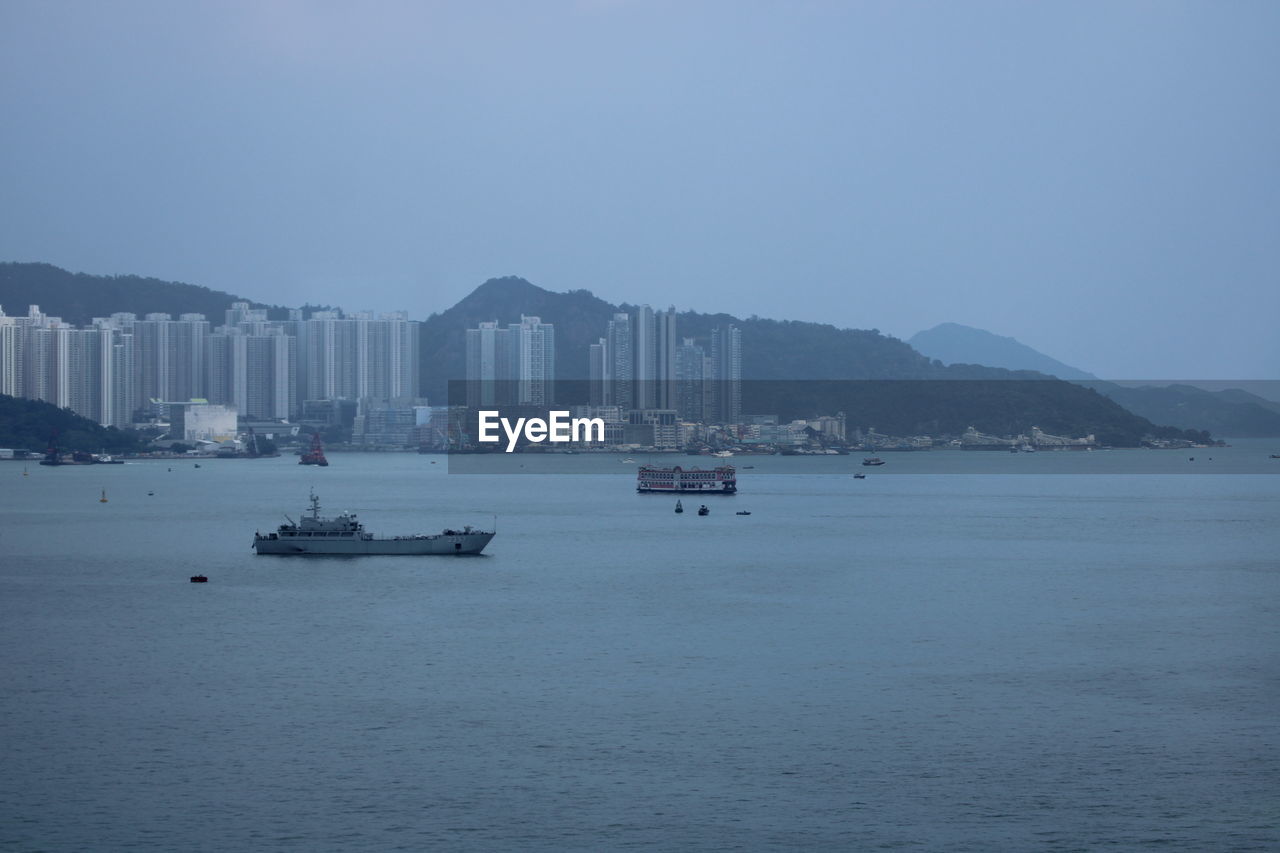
{"x": 1100, "y": 180}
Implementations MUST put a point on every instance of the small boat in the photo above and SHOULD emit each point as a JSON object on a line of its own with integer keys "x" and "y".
{"x": 197, "y": 464}
{"x": 679, "y": 507}
{"x": 743, "y": 512}
{"x": 872, "y": 461}
{"x": 103, "y": 499}
{"x": 747, "y": 467}
{"x": 702, "y": 510}
{"x": 199, "y": 579}
{"x": 859, "y": 476}
{"x": 149, "y": 494}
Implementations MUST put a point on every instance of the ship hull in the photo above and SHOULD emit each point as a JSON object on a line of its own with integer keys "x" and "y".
{"x": 689, "y": 490}
{"x": 407, "y": 546}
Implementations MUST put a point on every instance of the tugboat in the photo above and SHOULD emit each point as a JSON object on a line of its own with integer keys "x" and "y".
{"x": 345, "y": 535}
{"x": 52, "y": 456}
{"x": 702, "y": 510}
{"x": 314, "y": 456}
{"x": 679, "y": 507}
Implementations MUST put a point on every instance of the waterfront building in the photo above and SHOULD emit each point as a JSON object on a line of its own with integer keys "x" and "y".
{"x": 390, "y": 424}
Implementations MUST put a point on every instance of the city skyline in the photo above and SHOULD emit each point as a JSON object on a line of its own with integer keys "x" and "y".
{"x": 120, "y": 367}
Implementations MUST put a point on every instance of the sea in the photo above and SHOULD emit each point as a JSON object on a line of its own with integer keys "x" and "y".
{"x": 1067, "y": 656}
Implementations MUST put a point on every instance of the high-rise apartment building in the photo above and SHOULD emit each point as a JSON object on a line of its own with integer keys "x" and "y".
{"x": 534, "y": 343}
{"x": 515, "y": 365}
{"x": 692, "y": 368}
{"x": 85, "y": 370}
{"x": 726, "y": 374}
{"x": 619, "y": 363}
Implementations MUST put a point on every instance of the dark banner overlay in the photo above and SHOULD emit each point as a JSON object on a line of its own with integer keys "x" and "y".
{"x": 860, "y": 428}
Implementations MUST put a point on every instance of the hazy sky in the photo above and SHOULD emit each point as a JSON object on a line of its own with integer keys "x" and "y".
{"x": 1099, "y": 180}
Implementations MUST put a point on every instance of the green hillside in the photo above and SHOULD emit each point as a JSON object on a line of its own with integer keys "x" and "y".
{"x": 34, "y": 424}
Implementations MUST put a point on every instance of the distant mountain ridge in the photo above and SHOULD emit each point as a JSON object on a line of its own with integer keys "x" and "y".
{"x": 952, "y": 343}
{"x": 1230, "y": 412}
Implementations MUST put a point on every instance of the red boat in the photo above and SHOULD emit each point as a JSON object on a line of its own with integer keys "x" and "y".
{"x": 314, "y": 456}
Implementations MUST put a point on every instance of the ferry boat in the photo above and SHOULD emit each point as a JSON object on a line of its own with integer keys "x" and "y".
{"x": 722, "y": 480}
{"x": 872, "y": 461}
{"x": 344, "y": 535}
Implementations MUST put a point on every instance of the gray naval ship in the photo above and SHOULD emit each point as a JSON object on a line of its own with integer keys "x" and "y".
{"x": 345, "y": 535}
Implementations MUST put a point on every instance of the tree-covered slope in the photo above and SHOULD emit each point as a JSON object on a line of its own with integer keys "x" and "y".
{"x": 34, "y": 424}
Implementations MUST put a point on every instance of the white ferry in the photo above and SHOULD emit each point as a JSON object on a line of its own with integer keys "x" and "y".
{"x": 345, "y": 535}
{"x": 722, "y": 480}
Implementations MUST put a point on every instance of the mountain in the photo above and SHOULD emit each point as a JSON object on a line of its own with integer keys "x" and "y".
{"x": 798, "y": 369}
{"x": 78, "y": 297}
{"x": 579, "y": 317}
{"x": 952, "y": 343}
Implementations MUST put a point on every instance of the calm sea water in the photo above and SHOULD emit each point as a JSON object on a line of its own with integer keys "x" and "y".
{"x": 958, "y": 662}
